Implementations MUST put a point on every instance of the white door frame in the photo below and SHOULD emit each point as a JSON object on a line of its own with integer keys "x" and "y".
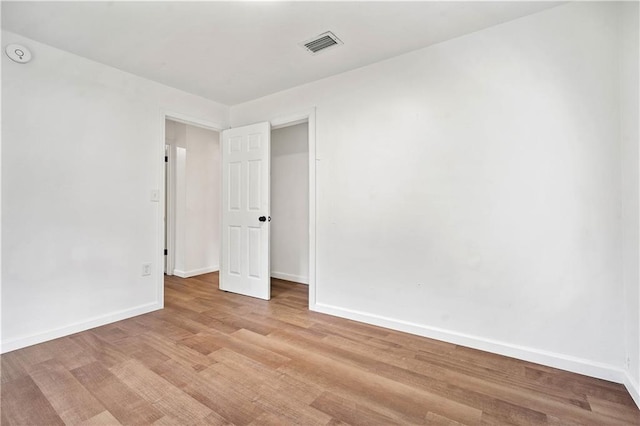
{"x": 168, "y": 204}
{"x": 308, "y": 116}
{"x": 278, "y": 122}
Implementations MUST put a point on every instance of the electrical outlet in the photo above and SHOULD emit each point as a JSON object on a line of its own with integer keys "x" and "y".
{"x": 146, "y": 269}
{"x": 628, "y": 363}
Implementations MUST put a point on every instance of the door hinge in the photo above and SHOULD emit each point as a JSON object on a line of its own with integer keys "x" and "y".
{"x": 166, "y": 252}
{"x": 166, "y": 159}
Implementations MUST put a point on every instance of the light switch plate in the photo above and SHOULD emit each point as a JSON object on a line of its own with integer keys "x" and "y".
{"x": 155, "y": 195}
{"x": 146, "y": 269}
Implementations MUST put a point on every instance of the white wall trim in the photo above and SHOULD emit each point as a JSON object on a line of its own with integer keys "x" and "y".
{"x": 275, "y": 125}
{"x": 633, "y": 387}
{"x": 312, "y": 206}
{"x": 170, "y": 207}
{"x": 194, "y": 272}
{"x": 192, "y": 121}
{"x": 550, "y": 359}
{"x": 22, "y": 342}
{"x": 290, "y": 277}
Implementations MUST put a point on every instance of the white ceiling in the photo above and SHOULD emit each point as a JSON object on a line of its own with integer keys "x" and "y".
{"x": 232, "y": 52}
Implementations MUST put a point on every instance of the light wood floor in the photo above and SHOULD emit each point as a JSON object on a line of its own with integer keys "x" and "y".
{"x": 217, "y": 358}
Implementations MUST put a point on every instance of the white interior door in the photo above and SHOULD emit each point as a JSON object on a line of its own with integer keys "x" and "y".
{"x": 244, "y": 260}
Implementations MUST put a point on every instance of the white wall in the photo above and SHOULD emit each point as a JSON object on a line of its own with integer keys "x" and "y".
{"x": 630, "y": 189}
{"x": 203, "y": 201}
{"x": 179, "y": 143}
{"x": 197, "y": 191}
{"x": 82, "y": 151}
{"x": 470, "y": 191}
{"x": 290, "y": 203}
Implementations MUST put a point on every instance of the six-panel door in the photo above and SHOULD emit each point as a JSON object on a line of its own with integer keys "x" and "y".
{"x": 244, "y": 263}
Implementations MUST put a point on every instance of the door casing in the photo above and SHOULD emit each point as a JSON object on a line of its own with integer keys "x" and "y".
{"x": 276, "y": 122}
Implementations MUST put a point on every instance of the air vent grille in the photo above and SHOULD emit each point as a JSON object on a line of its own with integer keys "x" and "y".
{"x": 319, "y": 44}
{"x": 322, "y": 42}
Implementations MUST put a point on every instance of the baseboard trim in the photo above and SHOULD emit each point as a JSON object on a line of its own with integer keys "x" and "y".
{"x": 194, "y": 272}
{"x": 34, "y": 339}
{"x": 290, "y": 277}
{"x": 633, "y": 387}
{"x": 550, "y": 359}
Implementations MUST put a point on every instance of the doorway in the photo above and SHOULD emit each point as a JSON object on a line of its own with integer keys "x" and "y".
{"x": 192, "y": 193}
{"x": 305, "y": 270}
{"x": 255, "y": 191}
{"x": 289, "y": 243}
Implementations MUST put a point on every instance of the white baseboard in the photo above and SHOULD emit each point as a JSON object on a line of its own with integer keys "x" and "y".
{"x": 289, "y": 277}
{"x": 633, "y": 387}
{"x": 194, "y": 272}
{"x": 22, "y": 342}
{"x": 550, "y": 359}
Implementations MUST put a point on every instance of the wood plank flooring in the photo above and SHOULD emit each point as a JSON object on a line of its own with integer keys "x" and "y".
{"x": 217, "y": 358}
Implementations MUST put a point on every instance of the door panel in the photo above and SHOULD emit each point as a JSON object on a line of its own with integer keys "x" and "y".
{"x": 244, "y": 267}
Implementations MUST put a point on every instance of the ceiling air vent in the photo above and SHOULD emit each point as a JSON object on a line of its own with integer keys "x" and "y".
{"x": 322, "y": 42}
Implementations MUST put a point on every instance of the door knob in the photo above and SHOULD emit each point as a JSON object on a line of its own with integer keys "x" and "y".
{"x": 262, "y": 219}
